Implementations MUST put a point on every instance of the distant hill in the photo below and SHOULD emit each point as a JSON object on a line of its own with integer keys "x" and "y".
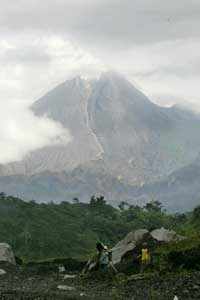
{"x": 180, "y": 191}
{"x": 42, "y": 231}
{"x": 121, "y": 142}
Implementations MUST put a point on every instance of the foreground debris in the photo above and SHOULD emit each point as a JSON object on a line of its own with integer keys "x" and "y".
{"x": 66, "y": 288}
{"x": 47, "y": 282}
{"x": 22, "y": 283}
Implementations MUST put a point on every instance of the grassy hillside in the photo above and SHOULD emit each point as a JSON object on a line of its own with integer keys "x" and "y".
{"x": 38, "y": 231}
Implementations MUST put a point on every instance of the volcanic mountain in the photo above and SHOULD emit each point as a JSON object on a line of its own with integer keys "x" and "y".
{"x": 117, "y": 134}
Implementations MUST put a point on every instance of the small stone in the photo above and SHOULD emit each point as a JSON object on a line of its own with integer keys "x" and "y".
{"x": 61, "y": 269}
{"x": 195, "y": 287}
{"x": 69, "y": 276}
{"x": 65, "y": 288}
{"x": 2, "y": 272}
{"x": 82, "y": 295}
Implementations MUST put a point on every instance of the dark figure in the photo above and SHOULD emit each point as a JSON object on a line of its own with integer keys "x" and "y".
{"x": 103, "y": 256}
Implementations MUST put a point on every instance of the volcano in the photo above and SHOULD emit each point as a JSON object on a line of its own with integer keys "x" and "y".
{"x": 120, "y": 140}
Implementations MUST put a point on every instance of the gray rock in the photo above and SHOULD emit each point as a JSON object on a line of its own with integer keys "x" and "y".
{"x": 61, "y": 269}
{"x": 137, "y": 237}
{"x": 66, "y": 288}
{"x": 196, "y": 287}
{"x": 6, "y": 253}
{"x": 2, "y": 272}
{"x": 166, "y": 235}
{"x": 67, "y": 276}
{"x": 83, "y": 295}
{"x": 163, "y": 235}
{"x": 127, "y": 244}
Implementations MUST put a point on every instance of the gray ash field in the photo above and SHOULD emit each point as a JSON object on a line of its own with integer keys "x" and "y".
{"x": 25, "y": 283}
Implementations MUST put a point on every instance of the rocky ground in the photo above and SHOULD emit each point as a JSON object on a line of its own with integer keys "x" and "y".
{"x": 21, "y": 283}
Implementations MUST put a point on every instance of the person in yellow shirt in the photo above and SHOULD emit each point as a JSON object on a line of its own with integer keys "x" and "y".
{"x": 145, "y": 258}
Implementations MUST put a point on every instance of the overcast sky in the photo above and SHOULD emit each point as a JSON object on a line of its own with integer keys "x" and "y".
{"x": 154, "y": 43}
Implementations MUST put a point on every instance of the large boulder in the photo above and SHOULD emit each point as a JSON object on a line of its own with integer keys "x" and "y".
{"x": 129, "y": 243}
{"x": 6, "y": 253}
{"x": 134, "y": 240}
{"x": 165, "y": 235}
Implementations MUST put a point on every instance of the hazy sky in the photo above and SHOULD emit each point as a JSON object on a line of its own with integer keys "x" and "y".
{"x": 154, "y": 43}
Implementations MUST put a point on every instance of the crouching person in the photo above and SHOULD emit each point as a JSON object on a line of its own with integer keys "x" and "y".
{"x": 101, "y": 261}
{"x": 103, "y": 256}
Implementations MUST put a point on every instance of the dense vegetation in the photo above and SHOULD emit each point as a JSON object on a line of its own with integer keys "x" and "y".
{"x": 38, "y": 231}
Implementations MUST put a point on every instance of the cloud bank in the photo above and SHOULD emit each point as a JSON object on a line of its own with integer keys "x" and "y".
{"x": 21, "y": 132}
{"x": 31, "y": 67}
{"x": 156, "y": 44}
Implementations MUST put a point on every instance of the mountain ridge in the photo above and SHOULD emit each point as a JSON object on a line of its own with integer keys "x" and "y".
{"x": 114, "y": 128}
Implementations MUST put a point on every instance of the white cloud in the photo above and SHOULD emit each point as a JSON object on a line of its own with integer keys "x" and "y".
{"x": 21, "y": 132}
{"x": 31, "y": 66}
{"x": 168, "y": 72}
{"x": 42, "y": 43}
{"x": 171, "y": 68}
{"x": 110, "y": 22}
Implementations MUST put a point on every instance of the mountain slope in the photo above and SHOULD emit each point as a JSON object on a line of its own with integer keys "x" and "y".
{"x": 120, "y": 140}
{"x": 66, "y": 104}
{"x": 141, "y": 141}
{"x": 180, "y": 191}
{"x": 110, "y": 120}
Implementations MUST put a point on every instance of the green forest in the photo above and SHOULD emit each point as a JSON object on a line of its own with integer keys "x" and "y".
{"x": 44, "y": 231}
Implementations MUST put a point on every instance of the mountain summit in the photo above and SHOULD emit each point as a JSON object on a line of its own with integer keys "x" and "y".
{"x": 116, "y": 131}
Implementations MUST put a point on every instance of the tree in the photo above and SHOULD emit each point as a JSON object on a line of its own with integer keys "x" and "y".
{"x": 135, "y": 207}
{"x": 196, "y": 216}
{"x": 123, "y": 205}
{"x": 97, "y": 202}
{"x": 153, "y": 206}
{"x": 100, "y": 201}
{"x": 2, "y": 195}
{"x": 92, "y": 201}
{"x": 75, "y": 200}
{"x": 180, "y": 218}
